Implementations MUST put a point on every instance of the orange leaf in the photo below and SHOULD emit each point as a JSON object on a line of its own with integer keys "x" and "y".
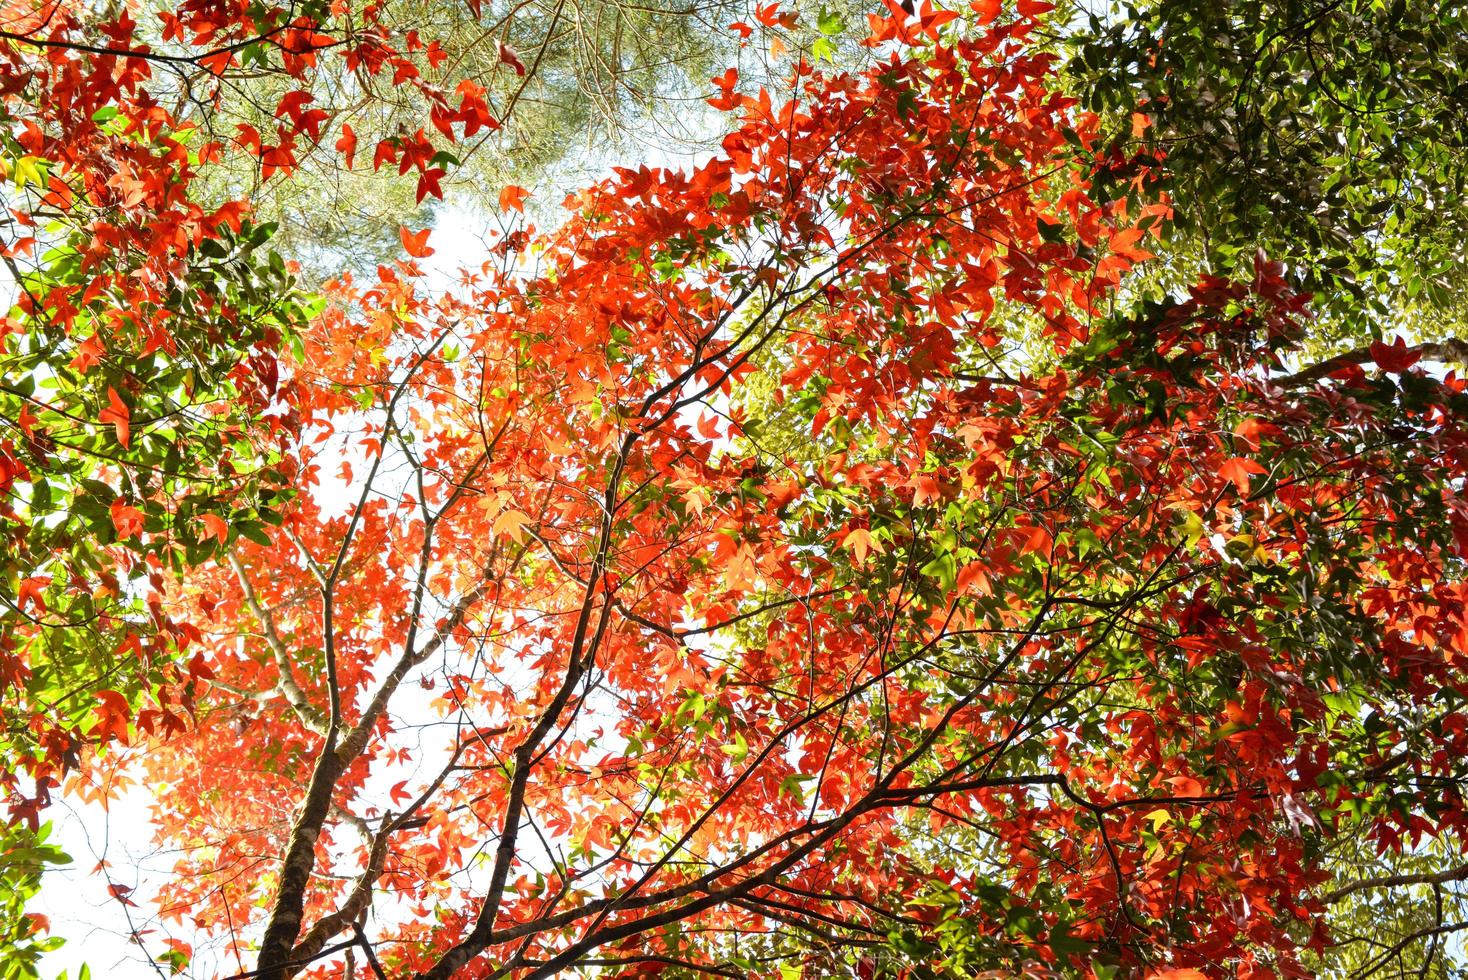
{"x": 32, "y": 590}
{"x": 88, "y": 353}
{"x": 347, "y": 145}
{"x": 118, "y": 415}
{"x": 987, "y": 10}
{"x": 428, "y": 183}
{"x": 415, "y": 243}
{"x": 1040, "y": 541}
{"x": 1248, "y": 432}
{"x": 386, "y": 152}
{"x": 858, "y": 542}
{"x": 512, "y": 198}
{"x": 113, "y": 703}
{"x": 127, "y": 519}
{"x": 510, "y": 522}
{"x": 1237, "y": 471}
{"x": 1123, "y": 243}
{"x": 1185, "y": 785}
{"x": 215, "y": 527}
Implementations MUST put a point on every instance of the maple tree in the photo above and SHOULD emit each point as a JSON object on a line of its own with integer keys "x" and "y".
{"x": 139, "y": 355}
{"x": 141, "y": 347}
{"x": 150, "y": 313}
{"x": 808, "y": 561}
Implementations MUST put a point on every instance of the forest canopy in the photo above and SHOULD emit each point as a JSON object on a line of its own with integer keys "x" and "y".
{"x": 897, "y": 490}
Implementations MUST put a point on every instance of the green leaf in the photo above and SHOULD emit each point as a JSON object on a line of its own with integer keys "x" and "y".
{"x": 254, "y": 531}
{"x": 944, "y": 569}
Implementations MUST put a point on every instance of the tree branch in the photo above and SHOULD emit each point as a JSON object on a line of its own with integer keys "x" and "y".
{"x": 1451, "y": 350}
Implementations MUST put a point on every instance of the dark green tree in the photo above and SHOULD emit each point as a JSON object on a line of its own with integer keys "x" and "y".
{"x": 1328, "y": 133}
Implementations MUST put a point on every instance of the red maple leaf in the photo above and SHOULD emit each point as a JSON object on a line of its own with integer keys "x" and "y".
{"x": 415, "y": 243}
{"x": 1395, "y": 357}
{"x": 117, "y": 414}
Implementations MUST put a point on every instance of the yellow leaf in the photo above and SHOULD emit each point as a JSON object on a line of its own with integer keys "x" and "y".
{"x": 859, "y": 542}
{"x": 697, "y": 498}
{"x": 511, "y": 522}
{"x": 28, "y": 171}
{"x": 1192, "y": 528}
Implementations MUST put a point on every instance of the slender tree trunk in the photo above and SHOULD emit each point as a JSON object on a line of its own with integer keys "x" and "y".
{"x": 289, "y": 906}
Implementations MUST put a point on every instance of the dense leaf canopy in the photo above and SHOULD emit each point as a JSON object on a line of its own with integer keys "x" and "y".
{"x": 1329, "y": 133}
{"x": 970, "y": 522}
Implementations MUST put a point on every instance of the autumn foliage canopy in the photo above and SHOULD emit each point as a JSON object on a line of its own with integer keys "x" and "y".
{"x": 821, "y": 560}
